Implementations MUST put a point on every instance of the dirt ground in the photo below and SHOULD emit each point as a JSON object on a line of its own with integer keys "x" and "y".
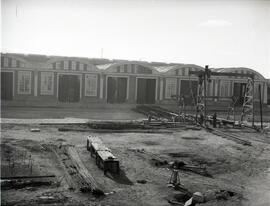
{"x": 100, "y": 113}
{"x": 244, "y": 170}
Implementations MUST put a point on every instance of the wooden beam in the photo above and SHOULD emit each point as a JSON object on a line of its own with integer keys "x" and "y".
{"x": 86, "y": 176}
{"x": 26, "y": 177}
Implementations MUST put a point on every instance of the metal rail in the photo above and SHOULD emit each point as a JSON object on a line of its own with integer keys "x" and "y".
{"x": 230, "y": 136}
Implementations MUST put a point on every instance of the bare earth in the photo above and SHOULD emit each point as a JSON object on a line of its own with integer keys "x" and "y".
{"x": 244, "y": 170}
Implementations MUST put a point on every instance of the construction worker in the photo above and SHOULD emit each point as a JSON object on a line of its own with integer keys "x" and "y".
{"x": 149, "y": 118}
{"x": 201, "y": 119}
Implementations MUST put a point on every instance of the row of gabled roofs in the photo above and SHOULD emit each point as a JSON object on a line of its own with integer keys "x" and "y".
{"x": 104, "y": 64}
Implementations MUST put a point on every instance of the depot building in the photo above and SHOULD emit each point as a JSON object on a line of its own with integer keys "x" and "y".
{"x": 52, "y": 80}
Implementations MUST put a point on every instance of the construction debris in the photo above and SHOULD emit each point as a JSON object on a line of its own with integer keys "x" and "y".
{"x": 210, "y": 195}
{"x": 182, "y": 166}
{"x": 156, "y": 112}
{"x": 142, "y": 181}
{"x": 51, "y": 198}
{"x": 19, "y": 184}
{"x": 180, "y": 198}
{"x": 35, "y": 130}
{"x": 195, "y": 169}
{"x": 169, "y": 119}
{"x": 87, "y": 181}
{"x": 175, "y": 202}
{"x": 26, "y": 177}
{"x": 187, "y": 198}
{"x": 116, "y": 125}
{"x": 167, "y": 152}
{"x": 198, "y": 197}
{"x": 190, "y": 202}
{"x": 77, "y": 175}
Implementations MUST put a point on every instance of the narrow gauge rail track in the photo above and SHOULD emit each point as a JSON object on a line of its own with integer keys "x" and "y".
{"x": 233, "y": 137}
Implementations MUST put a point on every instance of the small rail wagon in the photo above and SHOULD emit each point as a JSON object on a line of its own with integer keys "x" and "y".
{"x": 105, "y": 160}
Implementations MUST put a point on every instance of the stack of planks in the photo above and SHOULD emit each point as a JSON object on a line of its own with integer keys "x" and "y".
{"x": 116, "y": 125}
{"x": 76, "y": 174}
{"x": 87, "y": 180}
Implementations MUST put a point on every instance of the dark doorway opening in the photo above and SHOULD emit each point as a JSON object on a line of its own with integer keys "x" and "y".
{"x": 239, "y": 93}
{"x": 146, "y": 91}
{"x": 6, "y": 85}
{"x": 69, "y": 88}
{"x": 117, "y": 89}
{"x": 188, "y": 91}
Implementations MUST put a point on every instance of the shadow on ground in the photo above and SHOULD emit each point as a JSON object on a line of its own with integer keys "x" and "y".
{"x": 120, "y": 178}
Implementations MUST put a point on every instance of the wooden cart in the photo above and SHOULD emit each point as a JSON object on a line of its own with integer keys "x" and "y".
{"x": 104, "y": 158}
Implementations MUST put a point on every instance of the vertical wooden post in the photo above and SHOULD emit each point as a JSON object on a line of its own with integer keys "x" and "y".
{"x": 29, "y": 161}
{"x": 205, "y": 81}
{"x": 260, "y": 106}
{"x": 31, "y": 167}
{"x": 234, "y": 114}
{"x": 253, "y": 109}
{"x": 197, "y": 100}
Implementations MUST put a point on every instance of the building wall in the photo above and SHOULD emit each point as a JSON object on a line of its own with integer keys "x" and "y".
{"x": 132, "y": 89}
{"x": 168, "y": 83}
{"x": 37, "y": 70}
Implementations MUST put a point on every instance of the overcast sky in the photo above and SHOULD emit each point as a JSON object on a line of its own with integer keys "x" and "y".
{"x": 219, "y": 33}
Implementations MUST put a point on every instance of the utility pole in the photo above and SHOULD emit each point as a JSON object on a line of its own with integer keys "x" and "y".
{"x": 261, "y": 114}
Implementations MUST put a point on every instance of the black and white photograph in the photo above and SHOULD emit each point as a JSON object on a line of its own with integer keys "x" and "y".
{"x": 135, "y": 103}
